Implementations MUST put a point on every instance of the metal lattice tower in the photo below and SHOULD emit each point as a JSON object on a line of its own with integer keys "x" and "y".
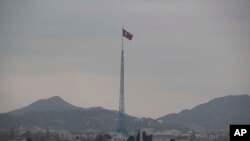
{"x": 121, "y": 128}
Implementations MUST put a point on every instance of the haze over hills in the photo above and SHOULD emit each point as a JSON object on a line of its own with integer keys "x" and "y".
{"x": 56, "y": 113}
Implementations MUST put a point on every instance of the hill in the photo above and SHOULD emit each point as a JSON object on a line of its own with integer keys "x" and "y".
{"x": 218, "y": 114}
{"x": 56, "y": 113}
{"x": 55, "y": 103}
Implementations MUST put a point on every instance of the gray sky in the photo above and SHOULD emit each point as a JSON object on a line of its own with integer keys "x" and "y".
{"x": 184, "y": 52}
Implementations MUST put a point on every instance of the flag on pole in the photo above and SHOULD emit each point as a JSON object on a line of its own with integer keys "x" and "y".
{"x": 127, "y": 34}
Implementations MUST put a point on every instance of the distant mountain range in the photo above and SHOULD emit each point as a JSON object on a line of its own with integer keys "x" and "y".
{"x": 56, "y": 113}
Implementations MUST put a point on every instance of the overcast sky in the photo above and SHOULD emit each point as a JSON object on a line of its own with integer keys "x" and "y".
{"x": 184, "y": 52}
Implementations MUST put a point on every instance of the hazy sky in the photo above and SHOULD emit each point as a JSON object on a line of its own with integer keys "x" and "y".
{"x": 184, "y": 52}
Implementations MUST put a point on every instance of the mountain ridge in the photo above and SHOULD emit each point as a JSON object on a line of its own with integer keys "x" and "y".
{"x": 73, "y": 118}
{"x": 218, "y": 113}
{"x": 54, "y": 103}
{"x": 54, "y": 112}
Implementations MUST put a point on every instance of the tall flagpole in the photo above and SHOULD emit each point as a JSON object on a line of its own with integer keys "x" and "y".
{"x": 121, "y": 128}
{"x": 122, "y": 38}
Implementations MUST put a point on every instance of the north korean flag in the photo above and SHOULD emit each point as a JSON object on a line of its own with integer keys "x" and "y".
{"x": 127, "y": 34}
